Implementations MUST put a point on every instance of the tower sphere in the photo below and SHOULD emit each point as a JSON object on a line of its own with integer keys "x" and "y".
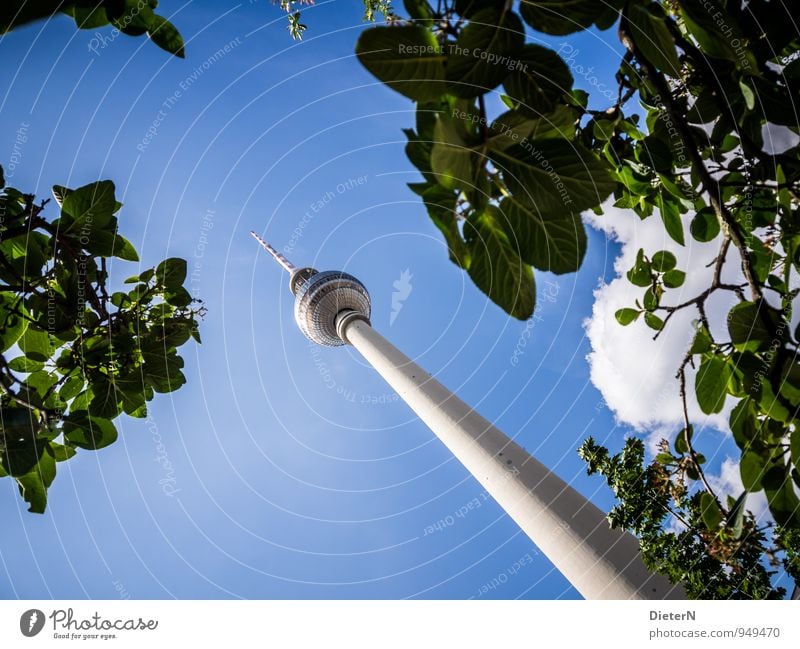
{"x": 321, "y": 297}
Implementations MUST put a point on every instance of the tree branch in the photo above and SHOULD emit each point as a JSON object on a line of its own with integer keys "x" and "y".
{"x": 709, "y": 185}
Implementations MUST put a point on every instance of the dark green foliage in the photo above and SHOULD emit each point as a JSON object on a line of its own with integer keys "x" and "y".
{"x": 131, "y": 17}
{"x": 82, "y": 354}
{"x": 517, "y": 182}
{"x": 86, "y": 356}
{"x": 715, "y": 553}
{"x": 687, "y": 73}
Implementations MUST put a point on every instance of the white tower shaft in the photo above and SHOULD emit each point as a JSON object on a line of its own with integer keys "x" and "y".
{"x": 333, "y": 308}
{"x": 602, "y": 563}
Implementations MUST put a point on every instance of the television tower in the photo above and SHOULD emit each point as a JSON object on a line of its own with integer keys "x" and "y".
{"x": 333, "y": 308}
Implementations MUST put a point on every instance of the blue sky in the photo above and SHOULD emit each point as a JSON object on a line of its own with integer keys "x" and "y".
{"x": 286, "y": 471}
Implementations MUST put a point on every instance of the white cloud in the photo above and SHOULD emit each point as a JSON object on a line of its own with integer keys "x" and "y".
{"x": 634, "y": 373}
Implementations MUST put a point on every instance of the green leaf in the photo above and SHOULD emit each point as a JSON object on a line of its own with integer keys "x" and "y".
{"x": 87, "y": 432}
{"x": 33, "y": 485}
{"x": 407, "y": 58}
{"x": 71, "y": 388}
{"x": 42, "y": 381}
{"x": 23, "y": 448}
{"x": 515, "y": 126}
{"x": 671, "y": 217}
{"x": 418, "y": 151}
{"x": 96, "y": 241}
{"x": 676, "y": 190}
{"x": 555, "y": 243}
{"x": 635, "y": 182}
{"x": 711, "y": 384}
{"x": 171, "y": 273}
{"x": 775, "y": 475}
{"x": 60, "y": 193}
{"x": 105, "y": 401}
{"x": 705, "y": 226}
{"x": 554, "y": 175}
{"x": 441, "y": 206}
{"x": 736, "y": 515}
{"x": 746, "y": 327}
{"x": 784, "y": 505}
{"x": 674, "y": 278}
{"x": 795, "y": 447}
{"x": 652, "y": 298}
{"x": 747, "y": 93}
{"x": 681, "y": 442}
{"x": 653, "y": 321}
{"x": 761, "y": 258}
{"x": 37, "y": 344}
{"x": 540, "y": 82}
{"x": 655, "y": 153}
{"x": 90, "y": 17}
{"x": 162, "y": 369}
{"x": 559, "y": 17}
{"x": 174, "y": 332}
{"x": 178, "y": 297}
{"x": 603, "y": 129}
{"x": 771, "y": 406}
{"x": 452, "y": 161}
{"x": 484, "y": 52}
{"x": 124, "y": 249}
{"x": 702, "y": 341}
{"x": 663, "y": 260}
{"x": 131, "y": 17}
{"x": 91, "y": 206}
{"x": 495, "y": 267}
{"x": 652, "y": 38}
{"x": 25, "y": 364}
{"x": 752, "y": 469}
{"x": 626, "y": 316}
{"x": 641, "y": 274}
{"x": 579, "y": 98}
{"x": 703, "y": 24}
{"x": 163, "y": 33}
{"x": 145, "y": 277}
{"x": 60, "y": 452}
{"x": 14, "y": 14}
{"x": 12, "y": 325}
{"x": 710, "y": 511}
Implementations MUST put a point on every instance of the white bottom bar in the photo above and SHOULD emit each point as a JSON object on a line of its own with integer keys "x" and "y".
{"x": 407, "y": 624}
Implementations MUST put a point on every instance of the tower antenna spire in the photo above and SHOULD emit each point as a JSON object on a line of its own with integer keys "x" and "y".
{"x": 288, "y": 266}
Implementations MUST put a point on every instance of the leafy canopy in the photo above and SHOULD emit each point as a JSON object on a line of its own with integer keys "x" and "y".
{"x": 74, "y": 352}
{"x": 507, "y": 191}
